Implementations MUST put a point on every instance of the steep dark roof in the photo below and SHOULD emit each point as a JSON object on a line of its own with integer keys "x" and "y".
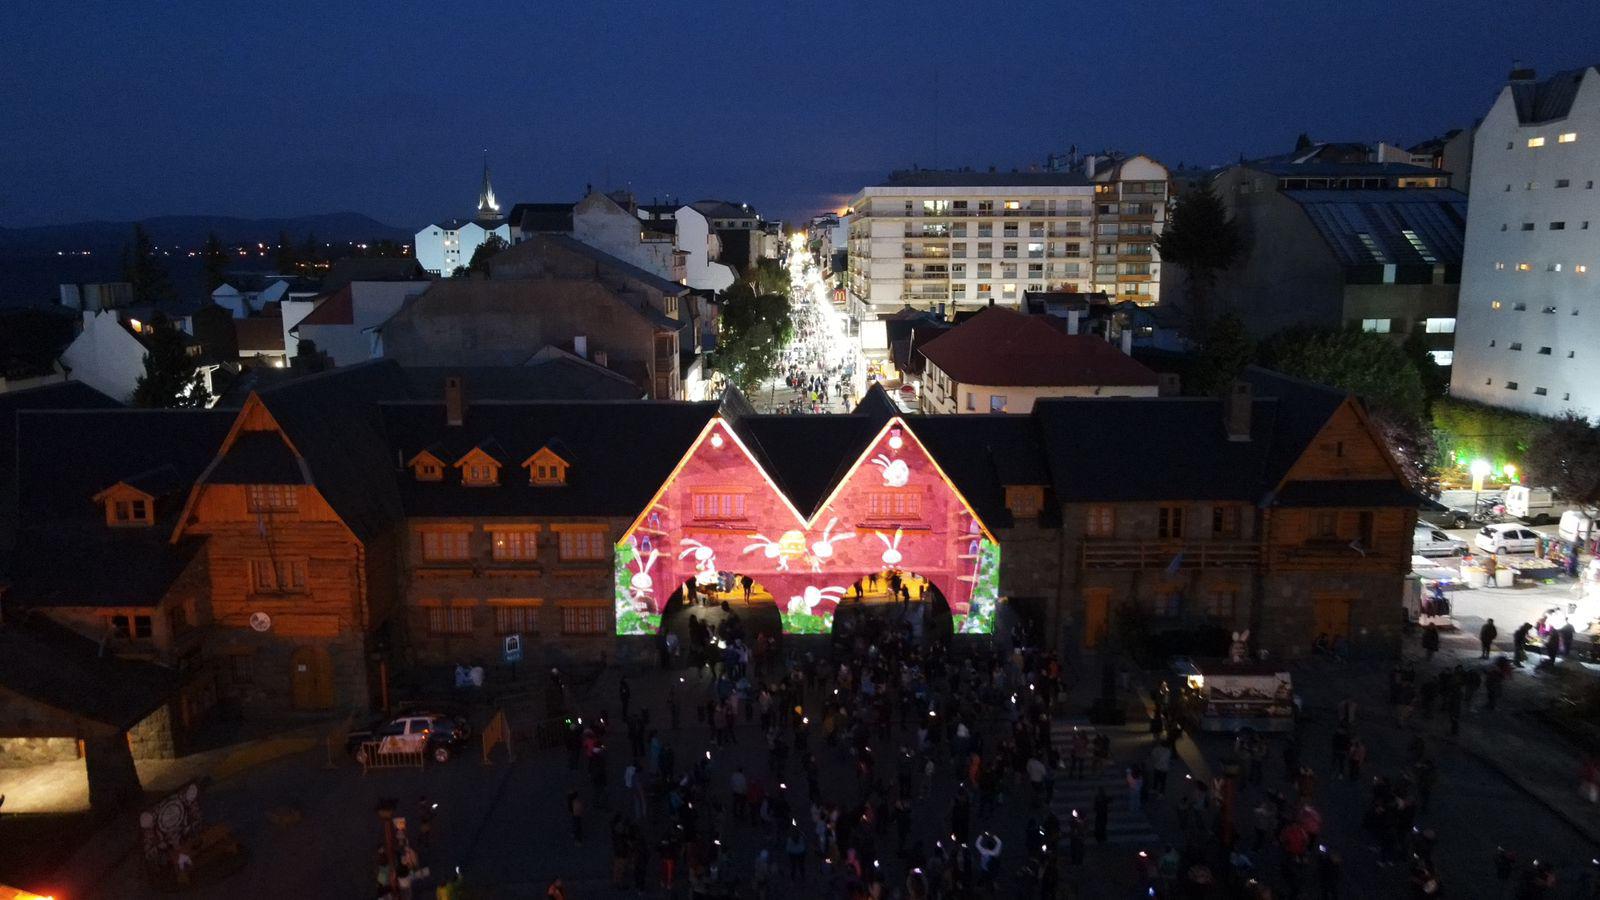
{"x": 983, "y": 454}
{"x": 1303, "y": 408}
{"x": 618, "y": 265}
{"x": 333, "y": 419}
{"x": 1437, "y": 217}
{"x": 1149, "y": 449}
{"x": 57, "y": 667}
{"x": 531, "y": 217}
{"x": 1319, "y": 169}
{"x": 942, "y": 178}
{"x": 336, "y": 309}
{"x": 257, "y": 457}
{"x": 1000, "y": 346}
{"x": 620, "y": 453}
{"x": 66, "y": 555}
{"x": 371, "y": 268}
{"x": 558, "y": 377}
{"x": 1543, "y": 101}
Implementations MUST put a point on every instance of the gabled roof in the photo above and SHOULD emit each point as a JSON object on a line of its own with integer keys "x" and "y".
{"x": 337, "y": 309}
{"x": 258, "y": 457}
{"x": 549, "y": 374}
{"x": 1544, "y": 101}
{"x": 1436, "y": 217}
{"x": 59, "y": 668}
{"x": 1001, "y": 346}
{"x": 371, "y": 268}
{"x": 617, "y": 265}
{"x": 536, "y": 217}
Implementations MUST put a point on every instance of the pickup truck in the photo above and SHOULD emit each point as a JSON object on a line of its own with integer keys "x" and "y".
{"x": 440, "y": 735}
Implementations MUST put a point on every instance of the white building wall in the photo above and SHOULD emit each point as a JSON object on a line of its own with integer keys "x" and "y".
{"x": 105, "y": 356}
{"x": 598, "y": 221}
{"x": 700, "y": 246}
{"x": 440, "y": 250}
{"x": 1528, "y": 326}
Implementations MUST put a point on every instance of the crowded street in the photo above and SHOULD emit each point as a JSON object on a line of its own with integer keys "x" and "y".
{"x": 822, "y": 370}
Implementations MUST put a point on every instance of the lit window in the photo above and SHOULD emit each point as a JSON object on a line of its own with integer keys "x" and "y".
{"x": 894, "y": 505}
{"x": 1524, "y": 267}
{"x": 718, "y": 505}
{"x": 585, "y": 620}
{"x": 1566, "y": 137}
{"x": 1376, "y": 326}
{"x": 276, "y": 576}
{"x": 1580, "y": 269}
{"x": 450, "y": 620}
{"x": 1443, "y": 357}
{"x": 444, "y": 546}
{"x": 583, "y": 545}
{"x": 516, "y": 617}
{"x": 1372, "y": 247}
{"x": 1494, "y": 304}
{"x": 1101, "y": 522}
{"x": 1419, "y": 246}
{"x": 515, "y": 545}
{"x": 1440, "y": 326}
{"x": 1499, "y": 266}
{"x": 273, "y": 497}
{"x": 1536, "y": 142}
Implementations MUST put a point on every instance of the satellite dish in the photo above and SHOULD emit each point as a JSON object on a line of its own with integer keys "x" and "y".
{"x": 260, "y": 621}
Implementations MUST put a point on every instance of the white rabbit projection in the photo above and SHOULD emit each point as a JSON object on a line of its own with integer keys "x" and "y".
{"x": 806, "y": 602}
{"x": 705, "y": 560}
{"x": 823, "y": 549}
{"x": 640, "y": 585}
{"x": 769, "y": 548}
{"x": 891, "y": 549}
{"x": 895, "y": 471}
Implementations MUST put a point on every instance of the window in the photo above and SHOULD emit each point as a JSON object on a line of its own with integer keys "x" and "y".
{"x": 1566, "y": 137}
{"x": 1443, "y": 357}
{"x": 1539, "y": 392}
{"x": 718, "y": 505}
{"x": 1580, "y": 269}
{"x": 1494, "y": 304}
{"x": 513, "y": 545}
{"x": 449, "y": 620}
{"x": 1326, "y": 525}
{"x": 480, "y": 473}
{"x": 1101, "y": 522}
{"x": 584, "y": 620}
{"x": 1567, "y": 396}
{"x": 985, "y": 251}
{"x": 1544, "y": 351}
{"x": 428, "y": 469}
{"x": 1558, "y": 226}
{"x": 517, "y": 617}
{"x": 1024, "y": 501}
{"x": 278, "y": 576}
{"x": 972, "y": 402}
{"x": 1527, "y": 226}
{"x": 1376, "y": 326}
{"x": 894, "y": 505}
{"x": 130, "y": 512}
{"x": 1225, "y": 521}
{"x": 1499, "y": 266}
{"x": 130, "y": 627}
{"x": 273, "y": 498}
{"x": 1516, "y": 345}
{"x": 1439, "y": 326}
{"x": 1572, "y": 354}
{"x": 1563, "y": 182}
{"x": 1222, "y": 603}
{"x": 1169, "y": 522}
{"x": 1549, "y": 310}
{"x": 239, "y": 669}
{"x": 583, "y": 545}
{"x": 1511, "y": 385}
{"x": 444, "y": 546}
{"x": 997, "y": 403}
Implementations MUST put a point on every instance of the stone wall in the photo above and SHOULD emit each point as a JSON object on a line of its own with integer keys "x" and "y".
{"x": 154, "y": 737}
{"x": 19, "y": 752}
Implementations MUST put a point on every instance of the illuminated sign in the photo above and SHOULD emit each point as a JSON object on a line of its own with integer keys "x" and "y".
{"x": 720, "y": 514}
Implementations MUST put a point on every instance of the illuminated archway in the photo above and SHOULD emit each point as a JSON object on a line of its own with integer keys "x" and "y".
{"x": 895, "y": 508}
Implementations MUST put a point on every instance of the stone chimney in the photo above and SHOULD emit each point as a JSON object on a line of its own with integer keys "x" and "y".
{"x": 1236, "y": 410}
{"x": 1519, "y": 75}
{"x": 1168, "y": 384}
{"x": 455, "y": 401}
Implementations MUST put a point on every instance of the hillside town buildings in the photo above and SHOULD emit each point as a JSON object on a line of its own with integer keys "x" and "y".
{"x": 447, "y": 245}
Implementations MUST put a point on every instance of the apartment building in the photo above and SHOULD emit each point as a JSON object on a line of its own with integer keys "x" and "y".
{"x": 1528, "y": 324}
{"x": 953, "y": 240}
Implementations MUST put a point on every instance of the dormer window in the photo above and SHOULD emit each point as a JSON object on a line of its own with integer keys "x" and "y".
{"x": 546, "y": 468}
{"x": 479, "y": 469}
{"x": 127, "y": 506}
{"x": 273, "y": 498}
{"x": 427, "y": 467}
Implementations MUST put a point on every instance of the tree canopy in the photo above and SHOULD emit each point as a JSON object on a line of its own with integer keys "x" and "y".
{"x": 1225, "y": 349}
{"x": 754, "y": 329}
{"x": 1565, "y": 455}
{"x": 216, "y": 263}
{"x": 142, "y": 269}
{"x": 1203, "y": 239}
{"x": 169, "y": 378}
{"x": 1369, "y": 365}
{"x": 479, "y": 264}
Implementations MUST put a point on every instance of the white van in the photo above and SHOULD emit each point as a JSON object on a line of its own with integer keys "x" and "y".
{"x": 1536, "y": 506}
{"x": 1576, "y": 526}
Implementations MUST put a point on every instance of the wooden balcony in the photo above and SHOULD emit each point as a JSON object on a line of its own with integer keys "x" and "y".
{"x": 1111, "y": 554}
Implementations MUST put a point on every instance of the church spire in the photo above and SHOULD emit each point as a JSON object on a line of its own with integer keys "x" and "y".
{"x": 487, "y": 207}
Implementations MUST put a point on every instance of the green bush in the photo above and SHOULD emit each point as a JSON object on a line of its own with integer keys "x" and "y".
{"x": 1467, "y": 431}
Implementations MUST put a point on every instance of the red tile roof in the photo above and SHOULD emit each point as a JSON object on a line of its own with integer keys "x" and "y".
{"x": 1003, "y": 347}
{"x": 338, "y": 309}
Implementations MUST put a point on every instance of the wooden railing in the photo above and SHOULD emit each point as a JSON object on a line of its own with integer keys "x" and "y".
{"x": 1111, "y": 554}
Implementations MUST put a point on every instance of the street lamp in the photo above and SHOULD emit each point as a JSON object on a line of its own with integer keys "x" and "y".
{"x": 1480, "y": 469}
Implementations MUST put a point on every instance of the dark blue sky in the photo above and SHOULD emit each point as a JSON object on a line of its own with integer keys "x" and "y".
{"x": 126, "y": 110}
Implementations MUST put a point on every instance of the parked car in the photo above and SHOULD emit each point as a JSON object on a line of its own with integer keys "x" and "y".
{"x": 440, "y": 735}
{"x": 1576, "y": 526}
{"x": 1506, "y": 538}
{"x": 1430, "y": 541}
{"x": 1442, "y": 516}
{"x": 1536, "y": 506}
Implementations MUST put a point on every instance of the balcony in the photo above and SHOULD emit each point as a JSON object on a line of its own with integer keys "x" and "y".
{"x": 1189, "y": 555}
{"x": 939, "y": 234}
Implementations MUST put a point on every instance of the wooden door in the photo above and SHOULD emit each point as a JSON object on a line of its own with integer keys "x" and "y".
{"x": 1096, "y": 615}
{"x": 1333, "y": 617}
{"x": 311, "y": 678}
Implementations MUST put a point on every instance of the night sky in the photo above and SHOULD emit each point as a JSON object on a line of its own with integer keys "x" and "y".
{"x": 123, "y": 111}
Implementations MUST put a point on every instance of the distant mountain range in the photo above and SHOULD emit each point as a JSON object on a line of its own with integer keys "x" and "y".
{"x": 190, "y": 232}
{"x": 35, "y": 260}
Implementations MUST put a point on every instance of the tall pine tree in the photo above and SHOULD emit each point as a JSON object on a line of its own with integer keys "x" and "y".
{"x": 169, "y": 378}
{"x": 1203, "y": 240}
{"x": 144, "y": 270}
{"x": 216, "y": 263}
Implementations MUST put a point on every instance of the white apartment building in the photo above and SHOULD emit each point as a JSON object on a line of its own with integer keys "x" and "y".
{"x": 443, "y": 247}
{"x": 945, "y": 241}
{"x": 1528, "y": 329}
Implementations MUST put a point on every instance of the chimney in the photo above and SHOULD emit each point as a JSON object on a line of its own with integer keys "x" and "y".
{"x": 1519, "y": 75}
{"x": 580, "y": 346}
{"x": 1072, "y": 321}
{"x": 1168, "y": 384}
{"x": 1236, "y": 410}
{"x": 455, "y": 401}
{"x": 1127, "y": 342}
